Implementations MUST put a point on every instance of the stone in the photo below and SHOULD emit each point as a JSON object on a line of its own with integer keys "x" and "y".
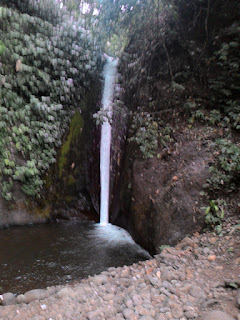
{"x": 190, "y": 314}
{"x": 186, "y": 242}
{"x": 212, "y": 257}
{"x": 93, "y": 315}
{"x": 8, "y": 299}
{"x": 100, "y": 280}
{"x": 129, "y": 303}
{"x": 161, "y": 317}
{"x": 167, "y": 275}
{"x": 238, "y": 298}
{"x": 210, "y": 303}
{"x": 137, "y": 300}
{"x": 217, "y": 315}
{"x": 67, "y": 292}
{"x": 197, "y": 292}
{"x": 165, "y": 309}
{"x": 177, "y": 312}
{"x": 35, "y": 294}
{"x": 108, "y": 297}
{"x": 154, "y": 281}
{"x": 146, "y": 317}
{"x": 206, "y": 251}
{"x": 127, "y": 313}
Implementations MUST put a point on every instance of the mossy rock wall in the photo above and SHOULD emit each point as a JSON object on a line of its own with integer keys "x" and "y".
{"x": 68, "y": 182}
{"x": 48, "y": 65}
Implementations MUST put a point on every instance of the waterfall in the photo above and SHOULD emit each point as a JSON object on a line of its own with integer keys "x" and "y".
{"x": 110, "y": 71}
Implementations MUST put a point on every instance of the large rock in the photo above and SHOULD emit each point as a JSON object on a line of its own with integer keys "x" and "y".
{"x": 20, "y": 213}
{"x": 8, "y": 299}
{"x": 161, "y": 198}
{"x": 217, "y": 315}
{"x": 238, "y": 299}
{"x": 35, "y": 294}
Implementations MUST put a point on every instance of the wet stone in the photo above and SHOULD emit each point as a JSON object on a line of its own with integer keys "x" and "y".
{"x": 8, "y": 299}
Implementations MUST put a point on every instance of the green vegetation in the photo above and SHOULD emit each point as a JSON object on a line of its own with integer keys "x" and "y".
{"x": 214, "y": 214}
{"x": 44, "y": 74}
{"x": 226, "y": 167}
{"x": 174, "y": 54}
{"x": 225, "y": 85}
{"x": 2, "y": 47}
{"x": 150, "y": 133}
{"x": 75, "y": 131}
{"x": 164, "y": 246}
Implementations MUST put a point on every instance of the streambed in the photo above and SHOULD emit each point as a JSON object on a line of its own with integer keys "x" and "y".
{"x": 43, "y": 255}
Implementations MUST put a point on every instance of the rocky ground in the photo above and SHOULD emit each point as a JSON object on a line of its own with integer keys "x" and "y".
{"x": 197, "y": 279}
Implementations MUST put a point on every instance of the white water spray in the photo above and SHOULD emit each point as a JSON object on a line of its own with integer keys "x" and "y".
{"x": 110, "y": 71}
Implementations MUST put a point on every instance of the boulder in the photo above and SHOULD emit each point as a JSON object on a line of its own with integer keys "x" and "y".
{"x": 161, "y": 199}
{"x": 238, "y": 298}
{"x": 217, "y": 315}
{"x": 35, "y": 294}
{"x": 8, "y": 299}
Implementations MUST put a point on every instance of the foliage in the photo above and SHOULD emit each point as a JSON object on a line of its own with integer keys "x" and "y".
{"x": 164, "y": 246}
{"x": 214, "y": 214}
{"x": 225, "y": 84}
{"x": 54, "y": 64}
{"x": 226, "y": 167}
{"x": 101, "y": 116}
{"x": 75, "y": 131}
{"x": 2, "y": 47}
{"x": 150, "y": 134}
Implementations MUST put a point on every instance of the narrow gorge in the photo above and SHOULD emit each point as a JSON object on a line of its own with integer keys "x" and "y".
{"x": 119, "y": 138}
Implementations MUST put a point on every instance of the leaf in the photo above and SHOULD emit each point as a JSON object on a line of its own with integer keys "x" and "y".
{"x": 233, "y": 285}
{"x": 2, "y": 47}
{"x": 7, "y": 162}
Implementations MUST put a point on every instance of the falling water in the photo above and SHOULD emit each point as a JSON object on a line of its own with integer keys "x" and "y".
{"x": 106, "y": 234}
{"x": 110, "y": 71}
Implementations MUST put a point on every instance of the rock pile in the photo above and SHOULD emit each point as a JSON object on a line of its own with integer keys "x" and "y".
{"x": 198, "y": 279}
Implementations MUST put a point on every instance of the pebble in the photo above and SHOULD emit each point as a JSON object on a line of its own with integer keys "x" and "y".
{"x": 137, "y": 300}
{"x": 147, "y": 317}
{"x": 210, "y": 303}
{"x": 177, "y": 312}
{"x": 190, "y": 314}
{"x": 186, "y": 242}
{"x": 127, "y": 313}
{"x": 197, "y": 292}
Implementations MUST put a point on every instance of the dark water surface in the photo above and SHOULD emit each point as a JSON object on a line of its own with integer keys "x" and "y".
{"x": 42, "y": 255}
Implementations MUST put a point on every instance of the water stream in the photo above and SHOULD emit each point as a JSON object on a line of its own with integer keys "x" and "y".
{"x": 110, "y": 71}
{"x": 50, "y": 254}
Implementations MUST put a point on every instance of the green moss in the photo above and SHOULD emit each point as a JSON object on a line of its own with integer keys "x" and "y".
{"x": 68, "y": 199}
{"x": 43, "y": 212}
{"x": 48, "y": 180}
{"x": 71, "y": 180}
{"x": 75, "y": 131}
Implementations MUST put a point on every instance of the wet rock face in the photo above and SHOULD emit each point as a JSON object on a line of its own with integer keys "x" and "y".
{"x": 118, "y": 146}
{"x": 161, "y": 198}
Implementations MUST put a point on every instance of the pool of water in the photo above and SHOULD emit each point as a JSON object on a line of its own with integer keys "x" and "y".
{"x": 49, "y": 254}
